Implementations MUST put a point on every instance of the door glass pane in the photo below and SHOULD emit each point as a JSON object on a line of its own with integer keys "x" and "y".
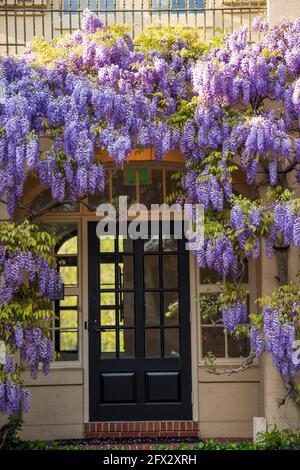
{"x": 152, "y": 308}
{"x": 107, "y": 244}
{"x": 152, "y": 244}
{"x": 108, "y": 343}
{"x": 125, "y": 244}
{"x": 126, "y": 273}
{"x": 127, "y": 343}
{"x": 171, "y": 342}
{"x": 152, "y": 342}
{"x": 170, "y": 244}
{"x": 213, "y": 340}
{"x": 170, "y": 271}
{"x": 126, "y": 308}
{"x": 108, "y": 317}
{"x": 107, "y": 275}
{"x": 151, "y": 271}
{"x": 107, "y": 298}
{"x": 171, "y": 308}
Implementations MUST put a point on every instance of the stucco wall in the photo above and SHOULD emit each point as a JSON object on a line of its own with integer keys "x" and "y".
{"x": 279, "y": 9}
{"x": 227, "y": 404}
{"x": 56, "y": 410}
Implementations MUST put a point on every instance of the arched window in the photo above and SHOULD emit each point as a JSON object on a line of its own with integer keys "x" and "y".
{"x": 65, "y": 326}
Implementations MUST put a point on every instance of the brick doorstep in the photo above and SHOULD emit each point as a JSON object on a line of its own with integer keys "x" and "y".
{"x": 141, "y": 429}
{"x": 170, "y": 445}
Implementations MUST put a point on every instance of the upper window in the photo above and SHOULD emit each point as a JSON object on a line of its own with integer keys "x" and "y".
{"x": 180, "y": 5}
{"x": 101, "y": 6}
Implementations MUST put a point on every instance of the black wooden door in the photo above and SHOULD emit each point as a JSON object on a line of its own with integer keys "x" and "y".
{"x": 139, "y": 329}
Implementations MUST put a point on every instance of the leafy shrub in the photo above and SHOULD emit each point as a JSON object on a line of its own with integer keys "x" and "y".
{"x": 274, "y": 439}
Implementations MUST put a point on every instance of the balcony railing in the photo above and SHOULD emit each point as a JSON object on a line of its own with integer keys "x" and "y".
{"x": 20, "y": 20}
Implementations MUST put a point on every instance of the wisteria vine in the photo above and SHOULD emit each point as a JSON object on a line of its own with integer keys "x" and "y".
{"x": 28, "y": 277}
{"x": 233, "y": 109}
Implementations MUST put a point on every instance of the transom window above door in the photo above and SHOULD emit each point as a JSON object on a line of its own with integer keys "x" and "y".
{"x": 145, "y": 184}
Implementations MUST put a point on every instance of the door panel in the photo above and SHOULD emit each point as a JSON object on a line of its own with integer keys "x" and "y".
{"x": 139, "y": 329}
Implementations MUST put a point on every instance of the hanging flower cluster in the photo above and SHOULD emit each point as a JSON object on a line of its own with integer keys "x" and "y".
{"x": 248, "y": 107}
{"x": 28, "y": 278}
{"x": 91, "y": 91}
{"x": 277, "y": 328}
{"x": 14, "y": 398}
{"x": 234, "y": 308}
{"x": 252, "y": 221}
{"x": 14, "y": 266}
{"x": 249, "y": 114}
{"x": 218, "y": 254}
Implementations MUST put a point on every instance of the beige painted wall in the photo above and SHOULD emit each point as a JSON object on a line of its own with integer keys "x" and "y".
{"x": 227, "y": 404}
{"x": 56, "y": 410}
{"x": 279, "y": 9}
